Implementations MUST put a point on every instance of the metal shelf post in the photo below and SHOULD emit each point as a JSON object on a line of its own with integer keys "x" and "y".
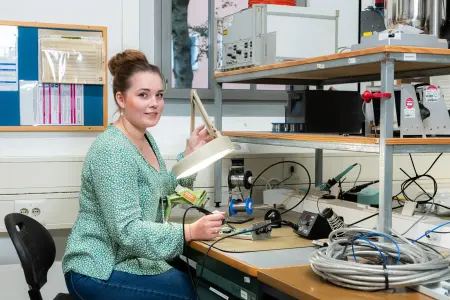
{"x": 218, "y": 123}
{"x": 319, "y": 166}
{"x": 386, "y": 151}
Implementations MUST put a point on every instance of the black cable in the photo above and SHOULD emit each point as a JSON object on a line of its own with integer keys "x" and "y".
{"x": 435, "y": 204}
{"x": 186, "y": 250}
{"x": 284, "y": 180}
{"x": 426, "y": 246}
{"x": 434, "y": 162}
{"x": 371, "y": 216}
{"x": 413, "y": 165}
{"x": 443, "y": 206}
{"x": 350, "y": 241}
{"x": 290, "y": 224}
{"x": 273, "y": 165}
{"x": 240, "y": 191}
{"x": 286, "y": 162}
{"x": 220, "y": 239}
{"x": 400, "y": 205}
{"x": 412, "y": 180}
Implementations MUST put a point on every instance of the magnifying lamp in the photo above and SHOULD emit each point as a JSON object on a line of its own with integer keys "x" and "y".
{"x": 219, "y": 147}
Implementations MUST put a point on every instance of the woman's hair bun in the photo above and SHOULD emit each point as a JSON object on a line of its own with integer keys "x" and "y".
{"x": 124, "y": 58}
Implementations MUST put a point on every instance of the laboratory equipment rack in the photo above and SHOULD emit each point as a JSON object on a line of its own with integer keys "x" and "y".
{"x": 385, "y": 64}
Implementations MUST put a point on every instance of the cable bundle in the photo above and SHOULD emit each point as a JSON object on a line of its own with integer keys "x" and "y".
{"x": 276, "y": 2}
{"x": 393, "y": 263}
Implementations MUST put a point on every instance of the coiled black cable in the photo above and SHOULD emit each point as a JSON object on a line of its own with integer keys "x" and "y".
{"x": 405, "y": 184}
{"x": 286, "y": 162}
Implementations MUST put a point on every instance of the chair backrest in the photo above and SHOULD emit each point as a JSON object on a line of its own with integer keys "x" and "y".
{"x": 35, "y": 248}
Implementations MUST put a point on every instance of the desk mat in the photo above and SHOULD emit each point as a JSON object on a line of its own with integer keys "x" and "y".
{"x": 282, "y": 238}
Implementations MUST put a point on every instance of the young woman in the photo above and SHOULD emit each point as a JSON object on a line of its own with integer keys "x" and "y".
{"x": 119, "y": 245}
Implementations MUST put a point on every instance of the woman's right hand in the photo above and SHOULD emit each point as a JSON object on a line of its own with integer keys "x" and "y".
{"x": 205, "y": 228}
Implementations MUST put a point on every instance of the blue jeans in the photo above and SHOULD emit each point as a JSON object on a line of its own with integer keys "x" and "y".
{"x": 171, "y": 285}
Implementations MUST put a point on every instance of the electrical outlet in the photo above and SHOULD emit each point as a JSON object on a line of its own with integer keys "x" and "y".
{"x": 31, "y": 208}
{"x": 291, "y": 171}
{"x": 35, "y": 212}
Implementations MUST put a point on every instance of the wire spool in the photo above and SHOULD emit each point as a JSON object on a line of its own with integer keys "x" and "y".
{"x": 240, "y": 206}
{"x": 239, "y": 180}
{"x": 276, "y": 2}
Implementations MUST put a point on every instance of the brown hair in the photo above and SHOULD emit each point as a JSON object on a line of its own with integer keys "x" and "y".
{"x": 125, "y": 64}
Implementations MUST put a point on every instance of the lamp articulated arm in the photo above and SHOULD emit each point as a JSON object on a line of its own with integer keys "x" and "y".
{"x": 219, "y": 147}
{"x": 195, "y": 101}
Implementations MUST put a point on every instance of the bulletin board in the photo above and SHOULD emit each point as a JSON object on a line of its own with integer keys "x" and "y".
{"x": 53, "y": 77}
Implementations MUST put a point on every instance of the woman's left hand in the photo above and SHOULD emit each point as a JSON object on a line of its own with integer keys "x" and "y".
{"x": 199, "y": 137}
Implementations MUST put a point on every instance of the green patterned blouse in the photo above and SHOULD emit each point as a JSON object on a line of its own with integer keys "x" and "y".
{"x": 120, "y": 221}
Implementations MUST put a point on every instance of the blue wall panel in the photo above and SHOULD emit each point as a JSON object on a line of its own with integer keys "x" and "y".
{"x": 10, "y": 115}
{"x": 28, "y": 53}
{"x": 93, "y": 105}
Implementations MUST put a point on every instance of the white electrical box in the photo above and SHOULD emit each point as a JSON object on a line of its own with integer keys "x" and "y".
{"x": 266, "y": 34}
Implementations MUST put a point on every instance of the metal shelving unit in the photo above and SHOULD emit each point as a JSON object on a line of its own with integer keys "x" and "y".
{"x": 385, "y": 64}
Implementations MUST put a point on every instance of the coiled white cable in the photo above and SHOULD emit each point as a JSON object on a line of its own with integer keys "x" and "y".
{"x": 416, "y": 265}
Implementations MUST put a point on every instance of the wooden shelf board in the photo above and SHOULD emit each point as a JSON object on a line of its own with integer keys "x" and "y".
{"x": 354, "y": 70}
{"x": 419, "y": 141}
{"x": 359, "y": 70}
{"x": 337, "y": 138}
{"x": 304, "y": 137}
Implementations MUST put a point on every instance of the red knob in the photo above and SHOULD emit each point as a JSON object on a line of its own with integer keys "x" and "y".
{"x": 368, "y": 96}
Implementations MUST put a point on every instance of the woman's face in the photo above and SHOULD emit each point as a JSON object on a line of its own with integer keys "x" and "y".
{"x": 143, "y": 103}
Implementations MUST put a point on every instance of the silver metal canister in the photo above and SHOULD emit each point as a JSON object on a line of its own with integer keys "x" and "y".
{"x": 414, "y": 13}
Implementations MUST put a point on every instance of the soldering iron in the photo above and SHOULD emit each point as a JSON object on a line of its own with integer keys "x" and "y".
{"x": 331, "y": 182}
{"x": 207, "y": 212}
{"x": 359, "y": 188}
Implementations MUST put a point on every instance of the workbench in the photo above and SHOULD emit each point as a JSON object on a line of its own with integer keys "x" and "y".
{"x": 272, "y": 274}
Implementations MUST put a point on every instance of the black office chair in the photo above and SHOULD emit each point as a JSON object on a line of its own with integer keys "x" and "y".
{"x": 36, "y": 250}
